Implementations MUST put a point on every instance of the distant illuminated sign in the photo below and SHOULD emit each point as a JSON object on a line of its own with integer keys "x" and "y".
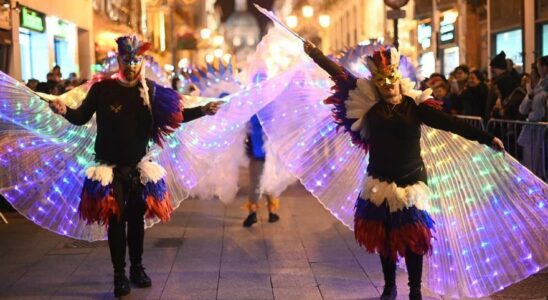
{"x": 447, "y": 31}
{"x": 62, "y": 29}
{"x": 424, "y": 35}
{"x": 33, "y": 20}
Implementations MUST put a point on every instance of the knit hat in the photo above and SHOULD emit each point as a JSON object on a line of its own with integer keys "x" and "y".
{"x": 499, "y": 61}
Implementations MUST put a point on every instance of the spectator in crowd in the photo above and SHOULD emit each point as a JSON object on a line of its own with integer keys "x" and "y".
{"x": 461, "y": 79}
{"x": 475, "y": 95}
{"x": 57, "y": 89}
{"x": 533, "y": 106}
{"x": 458, "y": 85}
{"x": 526, "y": 80}
{"x": 510, "y": 68}
{"x": 441, "y": 95}
{"x": 32, "y": 84}
{"x": 509, "y": 97}
{"x": 57, "y": 72}
{"x": 499, "y": 71}
{"x": 47, "y": 87}
{"x": 71, "y": 82}
{"x": 434, "y": 78}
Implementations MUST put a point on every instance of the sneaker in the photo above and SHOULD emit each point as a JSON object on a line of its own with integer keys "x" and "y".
{"x": 389, "y": 292}
{"x": 250, "y": 220}
{"x": 272, "y": 217}
{"x": 121, "y": 285}
{"x": 139, "y": 277}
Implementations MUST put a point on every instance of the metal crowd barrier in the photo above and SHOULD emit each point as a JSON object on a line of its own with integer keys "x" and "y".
{"x": 526, "y": 141}
{"x": 474, "y": 121}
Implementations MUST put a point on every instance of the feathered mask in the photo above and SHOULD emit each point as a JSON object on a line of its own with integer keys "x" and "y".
{"x": 131, "y": 49}
{"x": 384, "y": 66}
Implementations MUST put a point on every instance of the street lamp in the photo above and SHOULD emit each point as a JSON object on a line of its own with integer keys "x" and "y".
{"x": 308, "y": 11}
{"x": 395, "y": 14}
{"x": 218, "y": 40}
{"x": 324, "y": 21}
{"x": 218, "y": 53}
{"x": 205, "y": 33}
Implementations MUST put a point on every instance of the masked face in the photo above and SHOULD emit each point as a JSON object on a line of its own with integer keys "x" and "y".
{"x": 130, "y": 67}
{"x": 388, "y": 76}
{"x": 389, "y": 90}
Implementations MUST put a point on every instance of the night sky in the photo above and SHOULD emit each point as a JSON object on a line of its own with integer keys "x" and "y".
{"x": 227, "y": 7}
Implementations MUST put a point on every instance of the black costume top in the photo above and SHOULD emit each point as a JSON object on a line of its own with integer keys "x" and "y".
{"x": 124, "y": 123}
{"x": 394, "y": 133}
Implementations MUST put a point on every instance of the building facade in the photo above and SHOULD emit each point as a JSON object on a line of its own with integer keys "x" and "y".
{"x": 113, "y": 18}
{"x": 439, "y": 34}
{"x": 49, "y": 33}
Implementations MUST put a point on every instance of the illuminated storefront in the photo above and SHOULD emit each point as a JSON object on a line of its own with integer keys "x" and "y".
{"x": 542, "y": 27}
{"x": 33, "y": 43}
{"x": 450, "y": 56}
{"x": 426, "y": 57}
{"x": 50, "y": 33}
{"x": 40, "y": 34}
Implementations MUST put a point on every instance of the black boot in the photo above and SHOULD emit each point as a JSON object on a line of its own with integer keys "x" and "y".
{"x": 415, "y": 294}
{"x": 272, "y": 217}
{"x": 251, "y": 219}
{"x": 121, "y": 285}
{"x": 389, "y": 271}
{"x": 389, "y": 292}
{"x": 139, "y": 277}
{"x": 413, "y": 262}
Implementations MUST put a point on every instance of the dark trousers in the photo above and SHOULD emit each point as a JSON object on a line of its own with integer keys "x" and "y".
{"x": 413, "y": 262}
{"x": 128, "y": 193}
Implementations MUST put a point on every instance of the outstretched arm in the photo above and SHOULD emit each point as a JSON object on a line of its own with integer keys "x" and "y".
{"x": 80, "y": 115}
{"x": 440, "y": 120}
{"x": 323, "y": 61}
{"x": 190, "y": 114}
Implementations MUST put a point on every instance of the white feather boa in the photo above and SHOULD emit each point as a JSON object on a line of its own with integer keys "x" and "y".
{"x": 398, "y": 198}
{"x": 149, "y": 171}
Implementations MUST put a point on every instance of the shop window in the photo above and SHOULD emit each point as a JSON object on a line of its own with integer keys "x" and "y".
{"x": 34, "y": 46}
{"x": 544, "y": 36}
{"x": 511, "y": 43}
{"x": 427, "y": 64}
{"x": 450, "y": 60}
{"x": 62, "y": 57}
{"x": 26, "y": 64}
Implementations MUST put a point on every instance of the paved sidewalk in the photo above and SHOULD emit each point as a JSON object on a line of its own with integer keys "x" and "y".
{"x": 205, "y": 253}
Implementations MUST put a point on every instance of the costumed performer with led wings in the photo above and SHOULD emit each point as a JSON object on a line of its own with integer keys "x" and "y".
{"x": 391, "y": 217}
{"x": 126, "y": 185}
{"x": 490, "y": 211}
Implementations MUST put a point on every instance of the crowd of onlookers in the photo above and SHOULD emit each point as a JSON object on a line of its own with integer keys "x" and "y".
{"x": 506, "y": 95}
{"x": 55, "y": 84}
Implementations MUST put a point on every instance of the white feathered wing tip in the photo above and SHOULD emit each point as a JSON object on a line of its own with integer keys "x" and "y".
{"x": 276, "y": 177}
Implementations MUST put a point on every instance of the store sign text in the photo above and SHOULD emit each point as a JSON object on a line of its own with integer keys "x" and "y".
{"x": 447, "y": 32}
{"x": 32, "y": 20}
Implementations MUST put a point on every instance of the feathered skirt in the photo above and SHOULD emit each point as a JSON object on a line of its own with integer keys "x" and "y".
{"x": 390, "y": 219}
{"x": 98, "y": 201}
